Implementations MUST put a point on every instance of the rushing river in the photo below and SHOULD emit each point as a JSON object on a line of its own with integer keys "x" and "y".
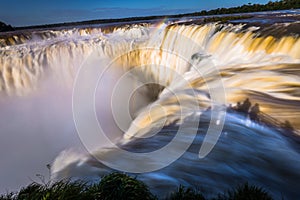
{"x": 176, "y": 79}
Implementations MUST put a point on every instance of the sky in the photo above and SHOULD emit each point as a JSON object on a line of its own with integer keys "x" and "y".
{"x": 37, "y": 12}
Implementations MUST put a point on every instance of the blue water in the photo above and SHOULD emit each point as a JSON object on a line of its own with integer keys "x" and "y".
{"x": 245, "y": 152}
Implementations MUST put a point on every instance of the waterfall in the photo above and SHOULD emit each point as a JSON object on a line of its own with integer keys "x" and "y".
{"x": 186, "y": 71}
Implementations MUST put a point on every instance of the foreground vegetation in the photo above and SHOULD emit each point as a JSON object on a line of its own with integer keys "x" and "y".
{"x": 122, "y": 187}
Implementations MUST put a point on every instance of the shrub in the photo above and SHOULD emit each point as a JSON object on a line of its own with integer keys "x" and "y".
{"x": 246, "y": 192}
{"x": 8, "y": 196}
{"x": 32, "y": 191}
{"x": 62, "y": 190}
{"x": 65, "y": 190}
{"x": 186, "y": 194}
{"x": 121, "y": 187}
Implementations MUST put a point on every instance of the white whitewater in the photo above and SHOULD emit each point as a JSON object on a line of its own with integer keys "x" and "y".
{"x": 262, "y": 68}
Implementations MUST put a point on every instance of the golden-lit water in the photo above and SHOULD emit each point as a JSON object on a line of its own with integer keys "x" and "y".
{"x": 263, "y": 68}
{"x": 180, "y": 58}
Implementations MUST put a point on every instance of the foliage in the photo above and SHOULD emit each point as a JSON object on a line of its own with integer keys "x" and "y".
{"x": 246, "y": 192}
{"x": 63, "y": 190}
{"x": 4, "y": 27}
{"x": 121, "y": 186}
{"x": 277, "y": 5}
{"x": 111, "y": 187}
{"x": 186, "y": 194}
{"x": 8, "y": 196}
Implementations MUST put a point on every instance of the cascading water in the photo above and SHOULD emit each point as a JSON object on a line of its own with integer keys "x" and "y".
{"x": 260, "y": 67}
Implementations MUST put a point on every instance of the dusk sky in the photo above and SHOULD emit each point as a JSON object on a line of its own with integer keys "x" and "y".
{"x": 34, "y": 12}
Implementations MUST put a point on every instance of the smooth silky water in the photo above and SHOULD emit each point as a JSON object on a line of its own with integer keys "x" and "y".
{"x": 38, "y": 70}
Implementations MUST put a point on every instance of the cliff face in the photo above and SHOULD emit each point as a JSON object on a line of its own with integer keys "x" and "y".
{"x": 4, "y": 27}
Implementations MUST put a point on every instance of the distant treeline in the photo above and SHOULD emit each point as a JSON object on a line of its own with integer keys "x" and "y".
{"x": 277, "y": 5}
{"x": 4, "y": 27}
{"x": 270, "y": 6}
